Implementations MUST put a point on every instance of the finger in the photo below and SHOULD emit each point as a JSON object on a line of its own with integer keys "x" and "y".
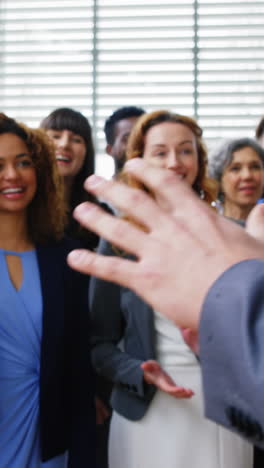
{"x": 121, "y": 233}
{"x": 170, "y": 191}
{"x": 183, "y": 393}
{"x": 133, "y": 202}
{"x": 255, "y": 222}
{"x": 150, "y": 366}
{"x": 114, "y": 269}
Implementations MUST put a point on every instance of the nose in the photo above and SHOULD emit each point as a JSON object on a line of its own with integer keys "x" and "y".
{"x": 63, "y": 141}
{"x": 10, "y": 172}
{"x": 246, "y": 173}
{"x": 173, "y": 161}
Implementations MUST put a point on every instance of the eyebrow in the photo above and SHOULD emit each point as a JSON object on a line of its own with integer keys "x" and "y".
{"x": 179, "y": 144}
{"x": 185, "y": 141}
{"x": 19, "y": 155}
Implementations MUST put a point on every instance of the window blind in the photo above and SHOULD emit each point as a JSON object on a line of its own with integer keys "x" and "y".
{"x": 230, "y": 67}
{"x": 47, "y": 56}
{"x": 203, "y": 58}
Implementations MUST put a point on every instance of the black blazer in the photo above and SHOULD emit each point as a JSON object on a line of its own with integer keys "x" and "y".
{"x": 119, "y": 314}
{"x": 67, "y": 416}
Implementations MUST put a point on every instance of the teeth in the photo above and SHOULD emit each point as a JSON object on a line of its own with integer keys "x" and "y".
{"x": 12, "y": 190}
{"x": 62, "y": 158}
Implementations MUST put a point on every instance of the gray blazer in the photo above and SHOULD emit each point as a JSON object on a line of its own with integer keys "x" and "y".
{"x": 232, "y": 350}
{"x": 118, "y": 315}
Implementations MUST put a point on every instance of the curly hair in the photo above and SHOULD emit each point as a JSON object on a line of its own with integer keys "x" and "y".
{"x": 47, "y": 210}
{"x": 136, "y": 142}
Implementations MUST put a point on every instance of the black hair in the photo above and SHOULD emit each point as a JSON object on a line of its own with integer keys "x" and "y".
{"x": 9, "y": 125}
{"x": 260, "y": 129}
{"x": 120, "y": 114}
{"x": 65, "y": 118}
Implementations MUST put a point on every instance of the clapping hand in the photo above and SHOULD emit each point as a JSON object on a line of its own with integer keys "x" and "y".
{"x": 155, "y": 375}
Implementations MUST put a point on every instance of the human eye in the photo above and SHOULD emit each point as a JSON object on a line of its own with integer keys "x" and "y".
{"x": 25, "y": 163}
{"x": 159, "y": 152}
{"x": 77, "y": 139}
{"x": 234, "y": 168}
{"x": 257, "y": 166}
{"x": 53, "y": 134}
{"x": 186, "y": 151}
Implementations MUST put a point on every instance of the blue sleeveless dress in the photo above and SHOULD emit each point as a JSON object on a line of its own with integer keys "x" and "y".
{"x": 20, "y": 347}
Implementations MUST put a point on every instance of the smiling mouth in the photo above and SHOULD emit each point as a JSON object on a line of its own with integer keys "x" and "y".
{"x": 12, "y": 190}
{"x": 63, "y": 159}
{"x": 247, "y": 189}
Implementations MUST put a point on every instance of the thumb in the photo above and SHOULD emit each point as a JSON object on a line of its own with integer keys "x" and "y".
{"x": 255, "y": 222}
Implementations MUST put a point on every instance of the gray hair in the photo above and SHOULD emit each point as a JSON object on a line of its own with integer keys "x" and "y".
{"x": 222, "y": 156}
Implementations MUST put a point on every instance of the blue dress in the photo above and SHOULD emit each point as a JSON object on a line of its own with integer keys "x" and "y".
{"x": 20, "y": 348}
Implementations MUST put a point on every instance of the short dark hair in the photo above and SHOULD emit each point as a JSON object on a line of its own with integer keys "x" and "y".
{"x": 260, "y": 128}
{"x": 122, "y": 113}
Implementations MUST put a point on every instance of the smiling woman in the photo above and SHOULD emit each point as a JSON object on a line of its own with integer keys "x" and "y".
{"x": 157, "y": 397}
{"x": 46, "y": 404}
{"x": 71, "y": 134}
{"x": 238, "y": 166}
{"x": 18, "y": 183}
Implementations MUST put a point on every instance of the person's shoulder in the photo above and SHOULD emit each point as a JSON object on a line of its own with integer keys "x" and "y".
{"x": 58, "y": 250}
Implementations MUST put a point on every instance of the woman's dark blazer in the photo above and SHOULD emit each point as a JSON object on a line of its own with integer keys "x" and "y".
{"x": 123, "y": 337}
{"x": 67, "y": 416}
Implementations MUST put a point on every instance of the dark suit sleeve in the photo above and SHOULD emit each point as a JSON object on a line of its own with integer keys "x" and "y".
{"x": 108, "y": 329}
{"x": 232, "y": 350}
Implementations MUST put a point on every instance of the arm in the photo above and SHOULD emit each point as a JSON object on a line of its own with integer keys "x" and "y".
{"x": 232, "y": 350}
{"x": 108, "y": 329}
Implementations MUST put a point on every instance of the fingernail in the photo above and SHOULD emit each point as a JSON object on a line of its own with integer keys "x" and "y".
{"x": 94, "y": 180}
{"x": 76, "y": 256}
{"x": 83, "y": 208}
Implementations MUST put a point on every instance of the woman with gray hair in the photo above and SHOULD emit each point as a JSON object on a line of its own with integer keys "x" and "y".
{"x": 238, "y": 166}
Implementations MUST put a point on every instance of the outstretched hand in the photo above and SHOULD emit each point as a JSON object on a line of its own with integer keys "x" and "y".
{"x": 184, "y": 248}
{"x": 155, "y": 375}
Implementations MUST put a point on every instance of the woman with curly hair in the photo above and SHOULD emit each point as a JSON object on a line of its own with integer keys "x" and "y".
{"x": 46, "y": 399}
{"x": 157, "y": 399}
